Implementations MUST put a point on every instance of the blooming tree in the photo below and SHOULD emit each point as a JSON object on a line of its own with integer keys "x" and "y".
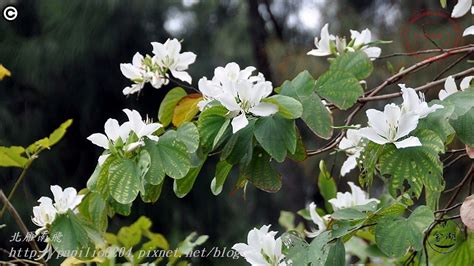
{"x": 249, "y": 124}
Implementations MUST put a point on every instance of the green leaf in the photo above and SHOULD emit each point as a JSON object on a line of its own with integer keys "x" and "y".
{"x": 93, "y": 208}
{"x": 438, "y": 121}
{"x": 98, "y": 182}
{"x": 288, "y": 107}
{"x": 277, "y": 135}
{"x": 209, "y": 123}
{"x": 152, "y": 192}
{"x": 165, "y": 112}
{"x": 169, "y": 156}
{"x": 68, "y": 234}
{"x": 296, "y": 248}
{"x": 319, "y": 249}
{"x": 315, "y": 114}
{"x": 222, "y": 171}
{"x": 122, "y": 209}
{"x": 239, "y": 148}
{"x": 340, "y": 88}
{"x": 12, "y": 157}
{"x": 189, "y": 135}
{"x": 417, "y": 165}
{"x": 394, "y": 235}
{"x": 371, "y": 156}
{"x": 326, "y": 184}
{"x": 260, "y": 172}
{"x": 300, "y": 152}
{"x": 443, "y": 3}
{"x": 221, "y": 133}
{"x": 464, "y": 127}
{"x": 356, "y": 63}
{"x": 124, "y": 181}
{"x": 348, "y": 214}
{"x": 337, "y": 254}
{"x": 55, "y": 137}
{"x": 182, "y": 186}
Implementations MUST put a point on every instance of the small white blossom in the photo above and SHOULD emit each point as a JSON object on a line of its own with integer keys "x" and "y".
{"x": 461, "y": 8}
{"x": 330, "y": 44}
{"x": 141, "y": 128}
{"x": 262, "y": 248}
{"x": 323, "y": 45}
{"x": 390, "y": 126}
{"x": 451, "y": 88}
{"x": 65, "y": 200}
{"x": 113, "y": 133}
{"x": 347, "y": 199}
{"x": 167, "y": 55}
{"x": 414, "y": 104}
{"x": 352, "y": 145}
{"x": 362, "y": 40}
{"x": 239, "y": 92}
{"x": 44, "y": 213}
{"x": 317, "y": 220}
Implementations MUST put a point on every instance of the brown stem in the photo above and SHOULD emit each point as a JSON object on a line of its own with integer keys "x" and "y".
{"x": 450, "y": 66}
{"x": 19, "y": 222}
{"x": 421, "y": 88}
{"x": 467, "y": 177}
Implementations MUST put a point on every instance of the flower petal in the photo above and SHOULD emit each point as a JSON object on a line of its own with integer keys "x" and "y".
{"x": 461, "y": 8}
{"x": 112, "y": 129}
{"x": 182, "y": 75}
{"x": 349, "y": 164}
{"x": 100, "y": 140}
{"x": 239, "y": 122}
{"x": 377, "y": 121}
{"x": 466, "y": 82}
{"x": 468, "y": 31}
{"x": 264, "y": 109}
{"x": 407, "y": 124}
{"x": 370, "y": 134}
{"x": 408, "y": 142}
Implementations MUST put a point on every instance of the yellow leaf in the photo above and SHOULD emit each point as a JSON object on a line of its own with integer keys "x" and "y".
{"x": 186, "y": 109}
{"x": 4, "y": 72}
{"x": 75, "y": 261}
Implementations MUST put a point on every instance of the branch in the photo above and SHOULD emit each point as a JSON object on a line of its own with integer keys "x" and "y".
{"x": 429, "y": 51}
{"x": 453, "y": 64}
{"x": 467, "y": 177}
{"x": 421, "y": 88}
{"x": 19, "y": 222}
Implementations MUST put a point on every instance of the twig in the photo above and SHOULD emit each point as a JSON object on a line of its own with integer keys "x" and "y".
{"x": 455, "y": 160}
{"x": 453, "y": 64}
{"x": 17, "y": 183}
{"x": 448, "y": 209}
{"x": 19, "y": 222}
{"x": 427, "y": 36}
{"x": 448, "y": 218}
{"x": 428, "y": 51}
{"x": 468, "y": 176}
{"x": 182, "y": 84}
{"x": 421, "y": 88}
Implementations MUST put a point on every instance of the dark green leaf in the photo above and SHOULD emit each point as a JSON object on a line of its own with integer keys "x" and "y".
{"x": 277, "y": 136}
{"x": 288, "y": 107}
{"x": 222, "y": 171}
{"x": 340, "y": 88}
{"x": 260, "y": 172}
{"x": 356, "y": 63}
{"x": 124, "y": 180}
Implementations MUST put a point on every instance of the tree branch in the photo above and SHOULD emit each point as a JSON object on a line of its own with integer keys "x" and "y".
{"x": 19, "y": 222}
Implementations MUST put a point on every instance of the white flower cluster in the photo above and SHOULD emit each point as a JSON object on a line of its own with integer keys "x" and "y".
{"x": 393, "y": 125}
{"x": 154, "y": 69}
{"x": 357, "y": 197}
{"x": 329, "y": 44}
{"x": 118, "y": 135}
{"x": 46, "y": 212}
{"x": 461, "y": 9}
{"x": 238, "y": 91}
{"x": 262, "y": 248}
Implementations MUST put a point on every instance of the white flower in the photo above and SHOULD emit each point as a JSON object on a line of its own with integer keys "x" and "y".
{"x": 390, "y": 126}
{"x": 361, "y": 40}
{"x": 65, "y": 200}
{"x": 113, "y": 132}
{"x": 451, "y": 88}
{"x": 262, "y": 248}
{"x": 318, "y": 220}
{"x": 141, "y": 128}
{"x": 168, "y": 57}
{"x": 323, "y": 45}
{"x": 238, "y": 92}
{"x": 44, "y": 213}
{"x": 138, "y": 72}
{"x": 461, "y": 8}
{"x": 346, "y": 200}
{"x": 414, "y": 104}
{"x": 352, "y": 146}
